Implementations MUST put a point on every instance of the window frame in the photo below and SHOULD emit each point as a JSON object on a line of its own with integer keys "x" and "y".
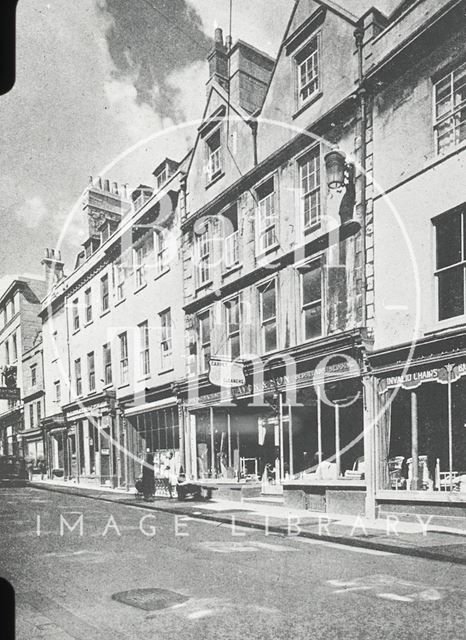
{"x": 461, "y": 264}
{"x": 75, "y": 314}
{"x": 301, "y": 161}
{"x": 300, "y": 100}
{"x": 261, "y": 230}
{"x": 104, "y": 293}
{"x": 203, "y": 250}
{"x": 57, "y": 391}
{"x": 33, "y": 370}
{"x": 78, "y": 379}
{"x": 166, "y": 338}
{"x": 261, "y": 289}
{"x": 315, "y": 263}
{"x": 124, "y": 358}
{"x": 438, "y": 121}
{"x": 91, "y": 370}
{"x": 235, "y": 333}
{"x": 107, "y": 362}
{"x": 88, "y": 305}
{"x": 144, "y": 348}
{"x": 214, "y": 155}
{"x": 201, "y": 364}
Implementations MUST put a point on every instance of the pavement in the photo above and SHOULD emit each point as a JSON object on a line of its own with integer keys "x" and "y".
{"x": 429, "y": 537}
{"x": 107, "y": 570}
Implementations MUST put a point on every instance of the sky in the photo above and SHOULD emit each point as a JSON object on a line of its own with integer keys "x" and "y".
{"x": 94, "y": 79}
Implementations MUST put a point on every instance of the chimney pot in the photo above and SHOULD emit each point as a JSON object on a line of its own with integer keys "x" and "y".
{"x": 99, "y": 182}
{"x": 218, "y": 36}
{"x": 228, "y": 42}
{"x": 115, "y": 188}
{"x": 107, "y": 185}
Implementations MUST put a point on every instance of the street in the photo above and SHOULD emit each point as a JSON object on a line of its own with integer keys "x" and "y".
{"x": 207, "y": 580}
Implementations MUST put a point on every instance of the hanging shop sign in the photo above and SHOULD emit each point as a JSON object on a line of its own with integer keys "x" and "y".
{"x": 444, "y": 375}
{"x": 226, "y": 373}
{"x": 10, "y": 393}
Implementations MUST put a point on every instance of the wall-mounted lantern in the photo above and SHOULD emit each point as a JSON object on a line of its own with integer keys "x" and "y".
{"x": 337, "y": 169}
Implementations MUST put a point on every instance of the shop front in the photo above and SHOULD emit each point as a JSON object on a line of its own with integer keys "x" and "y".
{"x": 293, "y": 431}
{"x": 420, "y": 446}
{"x": 91, "y": 441}
{"x": 154, "y": 427}
{"x": 11, "y": 426}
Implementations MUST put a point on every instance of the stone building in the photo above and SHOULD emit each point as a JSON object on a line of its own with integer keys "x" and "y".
{"x": 113, "y": 336}
{"x": 273, "y": 241}
{"x": 20, "y": 328}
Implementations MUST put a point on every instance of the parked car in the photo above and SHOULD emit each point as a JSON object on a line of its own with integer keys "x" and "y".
{"x": 13, "y": 471}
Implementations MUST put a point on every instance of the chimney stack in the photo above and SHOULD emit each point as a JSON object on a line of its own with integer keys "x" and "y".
{"x": 53, "y": 267}
{"x": 218, "y": 61}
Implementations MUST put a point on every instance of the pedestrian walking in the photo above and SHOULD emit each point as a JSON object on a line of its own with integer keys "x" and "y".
{"x": 148, "y": 479}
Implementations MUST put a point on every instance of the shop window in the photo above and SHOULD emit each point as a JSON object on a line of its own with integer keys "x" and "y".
{"x": 166, "y": 347}
{"x": 33, "y": 371}
{"x": 88, "y": 305}
{"x": 309, "y": 174}
{"x": 78, "y": 376}
{"x": 231, "y": 237}
{"x": 450, "y": 264}
{"x": 204, "y": 341}
{"x": 91, "y": 370}
{"x": 214, "y": 156}
{"x": 107, "y": 358}
{"x": 308, "y": 70}
{"x": 311, "y": 292}
{"x": 124, "y": 363}
{"x": 232, "y": 313}
{"x": 75, "y": 314}
{"x": 268, "y": 316}
{"x": 144, "y": 357}
{"x": 266, "y": 216}
{"x": 203, "y": 248}
{"x": 104, "y": 295}
{"x": 450, "y": 110}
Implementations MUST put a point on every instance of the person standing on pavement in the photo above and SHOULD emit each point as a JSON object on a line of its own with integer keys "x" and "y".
{"x": 148, "y": 479}
{"x": 30, "y": 468}
{"x": 42, "y": 469}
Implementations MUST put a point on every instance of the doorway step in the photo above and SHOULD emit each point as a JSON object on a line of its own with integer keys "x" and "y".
{"x": 270, "y": 500}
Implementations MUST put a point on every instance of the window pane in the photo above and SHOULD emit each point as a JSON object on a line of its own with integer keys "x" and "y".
{"x": 448, "y": 231}
{"x": 459, "y": 85}
{"x": 270, "y": 337}
{"x": 313, "y": 321}
{"x": 451, "y": 293}
{"x": 312, "y": 285}
{"x": 234, "y": 347}
{"x": 268, "y": 302}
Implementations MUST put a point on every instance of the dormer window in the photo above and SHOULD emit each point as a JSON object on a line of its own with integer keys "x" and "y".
{"x": 308, "y": 70}
{"x": 162, "y": 178}
{"x": 214, "y": 159}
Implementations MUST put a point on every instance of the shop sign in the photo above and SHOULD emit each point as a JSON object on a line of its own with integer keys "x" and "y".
{"x": 10, "y": 393}
{"x": 412, "y": 380}
{"x": 226, "y": 373}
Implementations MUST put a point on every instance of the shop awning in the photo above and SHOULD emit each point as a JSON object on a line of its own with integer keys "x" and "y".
{"x": 150, "y": 406}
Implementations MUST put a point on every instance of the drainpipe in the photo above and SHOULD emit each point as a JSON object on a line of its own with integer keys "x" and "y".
{"x": 361, "y": 92}
{"x": 253, "y": 125}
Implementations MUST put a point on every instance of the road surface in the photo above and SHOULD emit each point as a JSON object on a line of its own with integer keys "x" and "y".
{"x": 125, "y": 573}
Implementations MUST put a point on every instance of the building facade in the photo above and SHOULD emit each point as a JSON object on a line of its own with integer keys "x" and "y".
{"x": 274, "y": 262}
{"x": 112, "y": 335}
{"x": 19, "y": 334}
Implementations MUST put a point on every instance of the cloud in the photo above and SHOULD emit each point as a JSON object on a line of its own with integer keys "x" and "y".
{"x": 31, "y": 212}
{"x": 149, "y": 40}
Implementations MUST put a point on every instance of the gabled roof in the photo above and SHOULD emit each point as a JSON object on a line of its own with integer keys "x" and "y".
{"x": 242, "y": 113}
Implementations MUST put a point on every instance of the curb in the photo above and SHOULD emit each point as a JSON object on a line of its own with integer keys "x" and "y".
{"x": 417, "y": 552}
